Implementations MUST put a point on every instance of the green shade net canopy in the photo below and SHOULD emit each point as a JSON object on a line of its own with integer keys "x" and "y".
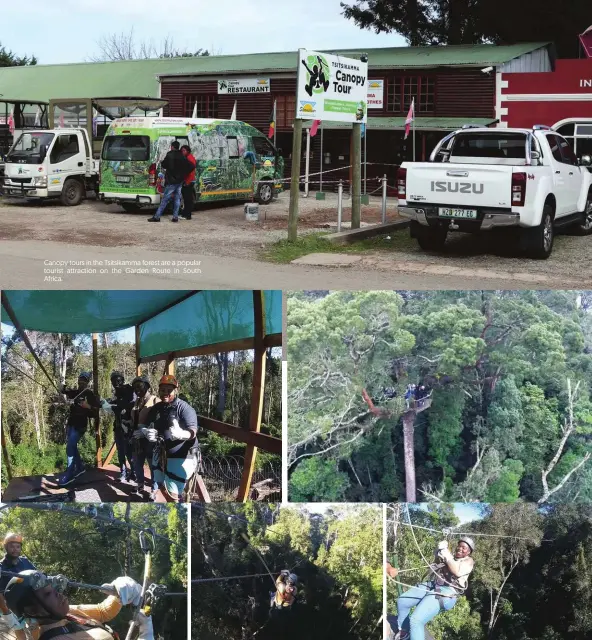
{"x": 168, "y": 320}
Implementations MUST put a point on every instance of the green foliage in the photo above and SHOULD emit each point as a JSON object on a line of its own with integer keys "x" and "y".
{"x": 337, "y": 556}
{"x": 496, "y": 365}
{"x": 101, "y": 554}
{"x": 316, "y": 475}
{"x": 10, "y": 59}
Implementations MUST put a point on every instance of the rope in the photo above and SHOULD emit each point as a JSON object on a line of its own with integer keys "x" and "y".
{"x": 26, "y": 375}
{"x": 410, "y": 586}
{"x": 253, "y": 575}
{"x": 464, "y": 533}
{"x": 421, "y": 552}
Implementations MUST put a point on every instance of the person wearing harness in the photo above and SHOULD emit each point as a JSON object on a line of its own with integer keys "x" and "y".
{"x": 286, "y": 590}
{"x": 50, "y": 616}
{"x": 172, "y": 426}
{"x": 450, "y": 580}
{"x": 84, "y": 404}
{"x": 120, "y": 403}
{"x": 13, "y": 562}
{"x": 142, "y": 448}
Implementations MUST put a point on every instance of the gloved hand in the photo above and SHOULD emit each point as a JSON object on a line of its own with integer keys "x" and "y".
{"x": 10, "y": 621}
{"x": 176, "y": 432}
{"x": 146, "y": 632}
{"x": 442, "y": 545}
{"x": 129, "y": 591}
{"x": 139, "y": 433}
{"x": 126, "y": 425}
{"x": 151, "y": 433}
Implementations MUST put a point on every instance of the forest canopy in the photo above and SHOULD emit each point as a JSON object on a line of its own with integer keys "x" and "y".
{"x": 531, "y": 579}
{"x": 507, "y": 375}
{"x": 336, "y": 554}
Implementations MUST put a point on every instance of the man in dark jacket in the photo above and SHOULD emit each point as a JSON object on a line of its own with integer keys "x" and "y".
{"x": 177, "y": 168}
{"x": 83, "y": 406}
{"x": 121, "y": 403}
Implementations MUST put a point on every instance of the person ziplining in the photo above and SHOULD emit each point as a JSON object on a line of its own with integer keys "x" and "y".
{"x": 447, "y": 581}
{"x": 285, "y": 593}
{"x": 39, "y": 604}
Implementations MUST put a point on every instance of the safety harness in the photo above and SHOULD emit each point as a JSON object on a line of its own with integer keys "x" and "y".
{"x": 73, "y": 625}
{"x": 445, "y": 578}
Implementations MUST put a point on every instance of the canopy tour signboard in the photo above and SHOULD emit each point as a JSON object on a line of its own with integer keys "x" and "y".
{"x": 331, "y": 88}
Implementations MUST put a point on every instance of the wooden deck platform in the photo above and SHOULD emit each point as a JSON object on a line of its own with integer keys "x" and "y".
{"x": 96, "y": 485}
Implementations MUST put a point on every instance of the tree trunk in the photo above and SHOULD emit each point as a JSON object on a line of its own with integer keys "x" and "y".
{"x": 128, "y": 542}
{"x": 222, "y": 360}
{"x": 415, "y": 38}
{"x": 409, "y": 449}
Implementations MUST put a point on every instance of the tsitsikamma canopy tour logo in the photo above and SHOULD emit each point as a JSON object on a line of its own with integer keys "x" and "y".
{"x": 318, "y": 74}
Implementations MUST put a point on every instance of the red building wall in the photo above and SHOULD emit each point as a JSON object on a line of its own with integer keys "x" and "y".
{"x": 547, "y": 98}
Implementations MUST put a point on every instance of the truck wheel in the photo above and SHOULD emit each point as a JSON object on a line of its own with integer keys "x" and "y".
{"x": 265, "y": 193}
{"x": 72, "y": 193}
{"x": 539, "y": 241}
{"x": 429, "y": 239}
{"x": 584, "y": 228}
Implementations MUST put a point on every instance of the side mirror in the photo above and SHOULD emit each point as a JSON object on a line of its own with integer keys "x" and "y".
{"x": 280, "y": 152}
{"x": 586, "y": 161}
{"x": 535, "y": 155}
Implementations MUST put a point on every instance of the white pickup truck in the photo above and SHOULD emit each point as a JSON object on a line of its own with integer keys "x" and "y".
{"x": 51, "y": 163}
{"x": 479, "y": 179}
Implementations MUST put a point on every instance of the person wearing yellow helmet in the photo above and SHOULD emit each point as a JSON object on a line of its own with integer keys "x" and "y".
{"x": 172, "y": 426}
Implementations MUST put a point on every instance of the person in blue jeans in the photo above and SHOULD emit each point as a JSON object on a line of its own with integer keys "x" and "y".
{"x": 121, "y": 404}
{"x": 83, "y": 405}
{"x": 177, "y": 168}
{"x": 450, "y": 580}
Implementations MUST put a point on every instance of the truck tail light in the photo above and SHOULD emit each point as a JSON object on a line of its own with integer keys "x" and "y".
{"x": 518, "y": 189}
{"x": 402, "y": 183}
{"x": 152, "y": 176}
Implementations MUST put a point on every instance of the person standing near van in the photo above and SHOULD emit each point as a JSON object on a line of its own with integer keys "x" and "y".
{"x": 177, "y": 168}
{"x": 188, "y": 190}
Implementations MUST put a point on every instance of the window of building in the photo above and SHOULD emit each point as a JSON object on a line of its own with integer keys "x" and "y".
{"x": 402, "y": 89}
{"x": 285, "y": 110}
{"x": 207, "y": 105}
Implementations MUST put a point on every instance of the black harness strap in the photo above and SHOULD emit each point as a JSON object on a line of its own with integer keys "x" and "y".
{"x": 70, "y": 627}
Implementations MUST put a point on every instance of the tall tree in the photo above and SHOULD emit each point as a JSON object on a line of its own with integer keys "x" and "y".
{"x": 10, "y": 59}
{"x": 454, "y": 22}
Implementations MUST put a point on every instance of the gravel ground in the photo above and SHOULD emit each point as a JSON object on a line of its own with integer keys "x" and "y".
{"x": 221, "y": 230}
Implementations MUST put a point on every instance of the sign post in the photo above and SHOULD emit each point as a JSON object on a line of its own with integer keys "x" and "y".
{"x": 330, "y": 88}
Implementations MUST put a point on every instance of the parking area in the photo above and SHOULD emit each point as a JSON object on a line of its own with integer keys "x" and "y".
{"x": 222, "y": 231}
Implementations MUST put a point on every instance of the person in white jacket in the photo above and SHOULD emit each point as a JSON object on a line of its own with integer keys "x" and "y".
{"x": 448, "y": 581}
{"x": 49, "y": 615}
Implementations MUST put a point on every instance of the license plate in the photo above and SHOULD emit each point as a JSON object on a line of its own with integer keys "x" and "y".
{"x": 123, "y": 178}
{"x": 457, "y": 213}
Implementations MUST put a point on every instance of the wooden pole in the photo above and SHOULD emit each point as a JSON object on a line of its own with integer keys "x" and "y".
{"x": 295, "y": 183}
{"x": 259, "y": 363}
{"x": 138, "y": 356}
{"x": 356, "y": 188}
{"x": 97, "y": 419}
{"x": 5, "y": 452}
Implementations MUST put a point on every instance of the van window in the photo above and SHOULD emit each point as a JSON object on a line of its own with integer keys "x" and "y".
{"x": 65, "y": 147}
{"x": 263, "y": 147}
{"x": 126, "y": 148}
{"x": 232, "y": 147}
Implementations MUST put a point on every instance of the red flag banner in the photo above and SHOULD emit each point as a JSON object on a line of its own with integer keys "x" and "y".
{"x": 272, "y": 121}
{"x": 410, "y": 118}
{"x": 314, "y": 128}
{"x": 586, "y": 40}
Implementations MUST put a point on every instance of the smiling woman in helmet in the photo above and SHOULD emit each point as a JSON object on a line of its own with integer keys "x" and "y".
{"x": 50, "y": 615}
{"x": 286, "y": 589}
{"x": 448, "y": 580}
{"x": 172, "y": 426}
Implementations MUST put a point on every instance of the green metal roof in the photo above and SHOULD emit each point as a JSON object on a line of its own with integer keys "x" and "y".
{"x": 399, "y": 123}
{"x": 168, "y": 320}
{"x": 139, "y": 77}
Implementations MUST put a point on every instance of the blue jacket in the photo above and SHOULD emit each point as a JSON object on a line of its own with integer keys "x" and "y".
{"x": 22, "y": 564}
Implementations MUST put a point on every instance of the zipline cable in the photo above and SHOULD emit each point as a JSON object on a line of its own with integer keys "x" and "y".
{"x": 202, "y": 580}
{"x": 90, "y": 512}
{"x": 26, "y": 375}
{"x": 450, "y": 531}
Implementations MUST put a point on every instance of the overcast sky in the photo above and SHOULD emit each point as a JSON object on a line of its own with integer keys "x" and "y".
{"x": 68, "y": 30}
